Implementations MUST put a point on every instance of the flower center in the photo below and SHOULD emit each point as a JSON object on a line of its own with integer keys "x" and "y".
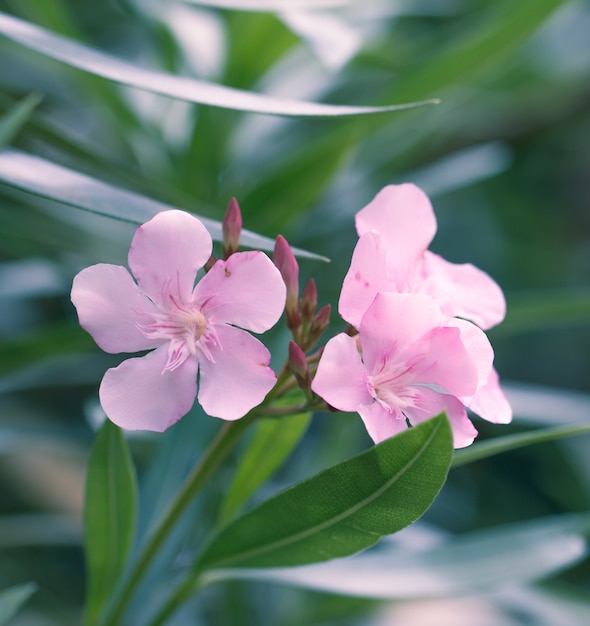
{"x": 183, "y": 325}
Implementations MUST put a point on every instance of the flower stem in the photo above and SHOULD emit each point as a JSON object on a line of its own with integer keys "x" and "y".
{"x": 188, "y": 587}
{"x": 226, "y": 438}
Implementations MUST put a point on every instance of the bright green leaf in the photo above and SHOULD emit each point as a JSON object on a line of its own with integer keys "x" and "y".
{"x": 495, "y": 446}
{"x": 345, "y": 508}
{"x": 109, "y": 516}
{"x": 271, "y": 444}
{"x": 48, "y": 180}
{"x": 477, "y": 562}
{"x": 192, "y": 90}
{"x": 16, "y": 117}
{"x": 12, "y": 599}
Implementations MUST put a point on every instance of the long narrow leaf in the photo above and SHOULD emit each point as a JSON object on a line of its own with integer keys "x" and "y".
{"x": 344, "y": 509}
{"x": 489, "y": 448}
{"x": 16, "y": 117}
{"x": 271, "y": 444}
{"x": 478, "y": 562}
{"x": 192, "y": 90}
{"x": 272, "y": 5}
{"x": 109, "y": 516}
{"x": 48, "y": 180}
{"x": 12, "y": 599}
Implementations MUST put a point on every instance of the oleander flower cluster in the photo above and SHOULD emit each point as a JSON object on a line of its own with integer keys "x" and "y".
{"x": 415, "y": 345}
{"x": 420, "y": 348}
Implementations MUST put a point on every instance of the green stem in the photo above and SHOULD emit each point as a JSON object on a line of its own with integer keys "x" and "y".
{"x": 188, "y": 587}
{"x": 226, "y": 438}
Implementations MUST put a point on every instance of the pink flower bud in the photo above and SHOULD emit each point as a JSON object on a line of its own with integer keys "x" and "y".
{"x": 309, "y": 300}
{"x": 285, "y": 261}
{"x": 319, "y": 323}
{"x": 299, "y": 365}
{"x": 232, "y": 228}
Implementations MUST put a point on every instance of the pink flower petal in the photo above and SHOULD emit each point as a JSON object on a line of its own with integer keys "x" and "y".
{"x": 442, "y": 360}
{"x": 479, "y": 349}
{"x": 429, "y": 403}
{"x": 403, "y": 215}
{"x": 366, "y": 277}
{"x": 139, "y": 395}
{"x": 490, "y": 403}
{"x": 166, "y": 254}
{"x": 246, "y": 290}
{"x": 380, "y": 423}
{"x": 341, "y": 379}
{"x": 463, "y": 291}
{"x": 394, "y": 321}
{"x": 111, "y": 306}
{"x": 237, "y": 378}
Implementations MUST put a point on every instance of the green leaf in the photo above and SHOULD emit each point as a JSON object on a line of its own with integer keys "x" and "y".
{"x": 547, "y": 309}
{"x": 483, "y": 42}
{"x": 12, "y": 599}
{"x": 272, "y": 5}
{"x": 498, "y": 445}
{"x": 109, "y": 516}
{"x": 16, "y": 117}
{"x": 344, "y": 509}
{"x": 48, "y": 180}
{"x": 192, "y": 90}
{"x": 271, "y": 444}
{"x": 477, "y": 562}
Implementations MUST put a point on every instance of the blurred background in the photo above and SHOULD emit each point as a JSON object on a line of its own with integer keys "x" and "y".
{"x": 505, "y": 158}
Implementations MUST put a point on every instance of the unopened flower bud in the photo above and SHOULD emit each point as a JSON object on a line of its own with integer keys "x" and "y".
{"x": 284, "y": 259}
{"x": 232, "y": 228}
{"x": 299, "y": 366}
{"x": 309, "y": 301}
{"x": 319, "y": 323}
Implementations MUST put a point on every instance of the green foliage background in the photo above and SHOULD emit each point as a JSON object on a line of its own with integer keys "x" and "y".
{"x": 504, "y": 157}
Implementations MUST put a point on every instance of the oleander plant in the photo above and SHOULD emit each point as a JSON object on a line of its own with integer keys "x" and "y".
{"x": 295, "y": 313}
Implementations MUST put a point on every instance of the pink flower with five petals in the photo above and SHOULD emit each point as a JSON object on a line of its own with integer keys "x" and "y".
{"x": 395, "y": 230}
{"x": 406, "y": 365}
{"x": 190, "y": 330}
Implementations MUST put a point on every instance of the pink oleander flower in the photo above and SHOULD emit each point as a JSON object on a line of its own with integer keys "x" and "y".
{"x": 395, "y": 230}
{"x": 190, "y": 330}
{"x": 408, "y": 363}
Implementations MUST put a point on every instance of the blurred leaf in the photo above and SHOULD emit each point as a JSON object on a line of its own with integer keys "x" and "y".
{"x": 345, "y": 508}
{"x": 549, "y": 309}
{"x": 12, "y": 599}
{"x": 16, "y": 117}
{"x": 272, "y": 443}
{"x": 272, "y": 5}
{"x": 50, "y": 342}
{"x": 478, "y": 562}
{"x": 48, "y": 180}
{"x": 498, "y": 445}
{"x": 192, "y": 90}
{"x": 484, "y": 41}
{"x": 109, "y": 516}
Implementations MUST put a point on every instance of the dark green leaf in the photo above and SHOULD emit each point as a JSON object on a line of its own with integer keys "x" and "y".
{"x": 547, "y": 309}
{"x": 48, "y": 180}
{"x": 498, "y": 445}
{"x": 109, "y": 516}
{"x": 192, "y": 90}
{"x": 344, "y": 509}
{"x": 12, "y": 599}
{"x": 478, "y": 562}
{"x": 271, "y": 444}
{"x": 16, "y": 117}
